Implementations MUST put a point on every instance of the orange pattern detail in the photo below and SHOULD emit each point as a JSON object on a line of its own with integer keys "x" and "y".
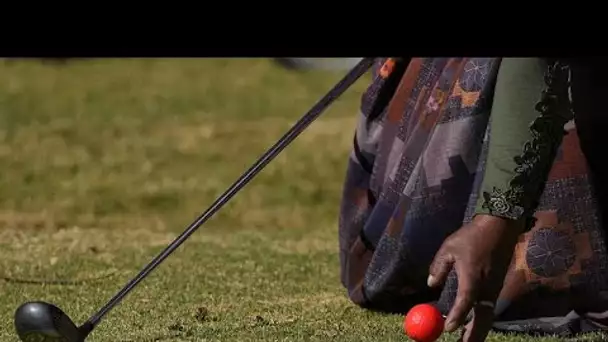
{"x": 387, "y": 68}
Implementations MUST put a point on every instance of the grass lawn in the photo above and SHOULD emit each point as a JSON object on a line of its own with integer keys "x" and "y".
{"x": 105, "y": 161}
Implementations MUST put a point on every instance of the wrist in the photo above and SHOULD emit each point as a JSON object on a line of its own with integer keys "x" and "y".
{"x": 504, "y": 225}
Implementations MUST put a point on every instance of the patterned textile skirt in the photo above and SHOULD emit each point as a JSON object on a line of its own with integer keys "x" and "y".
{"x": 413, "y": 179}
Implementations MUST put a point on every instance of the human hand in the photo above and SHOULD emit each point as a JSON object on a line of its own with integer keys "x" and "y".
{"x": 480, "y": 253}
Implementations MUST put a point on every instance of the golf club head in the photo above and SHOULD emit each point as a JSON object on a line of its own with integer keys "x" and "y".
{"x": 44, "y": 322}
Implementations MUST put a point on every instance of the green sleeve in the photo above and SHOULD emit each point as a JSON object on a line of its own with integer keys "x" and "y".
{"x": 530, "y": 108}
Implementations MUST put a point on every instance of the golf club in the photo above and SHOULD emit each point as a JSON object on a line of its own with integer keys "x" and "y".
{"x": 44, "y": 322}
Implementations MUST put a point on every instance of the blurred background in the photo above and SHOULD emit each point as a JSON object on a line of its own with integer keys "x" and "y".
{"x": 104, "y": 161}
{"x": 319, "y": 63}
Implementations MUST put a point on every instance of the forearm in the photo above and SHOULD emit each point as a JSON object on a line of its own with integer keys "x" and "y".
{"x": 530, "y": 108}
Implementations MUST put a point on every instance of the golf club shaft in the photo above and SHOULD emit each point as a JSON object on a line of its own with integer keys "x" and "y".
{"x": 298, "y": 128}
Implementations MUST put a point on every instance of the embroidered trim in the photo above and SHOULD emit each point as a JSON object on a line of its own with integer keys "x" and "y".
{"x": 534, "y": 164}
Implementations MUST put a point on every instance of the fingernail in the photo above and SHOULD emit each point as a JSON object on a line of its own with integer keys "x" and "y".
{"x": 430, "y": 281}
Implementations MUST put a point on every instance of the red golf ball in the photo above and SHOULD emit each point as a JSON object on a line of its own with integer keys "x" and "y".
{"x": 423, "y": 323}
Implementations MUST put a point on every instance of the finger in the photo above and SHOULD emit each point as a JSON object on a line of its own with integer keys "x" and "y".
{"x": 465, "y": 298}
{"x": 440, "y": 268}
{"x": 484, "y": 311}
{"x": 478, "y": 328}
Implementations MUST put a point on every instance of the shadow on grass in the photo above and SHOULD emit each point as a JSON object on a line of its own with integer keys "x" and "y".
{"x": 162, "y": 337}
{"x": 186, "y": 334}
